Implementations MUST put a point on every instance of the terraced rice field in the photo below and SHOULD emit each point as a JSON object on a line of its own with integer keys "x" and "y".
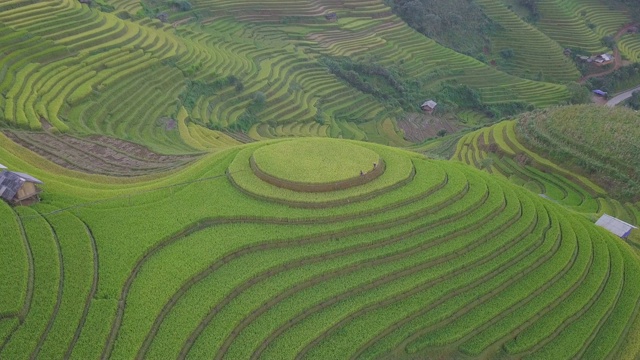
{"x": 560, "y": 21}
{"x": 99, "y": 154}
{"x": 577, "y": 136}
{"x": 501, "y": 151}
{"x": 534, "y": 52}
{"x": 629, "y": 45}
{"x": 166, "y": 231}
{"x": 89, "y": 72}
{"x": 430, "y": 257}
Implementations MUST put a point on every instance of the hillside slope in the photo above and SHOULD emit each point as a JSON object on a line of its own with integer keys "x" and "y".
{"x": 419, "y": 258}
{"x": 502, "y": 151}
{"x": 601, "y": 142}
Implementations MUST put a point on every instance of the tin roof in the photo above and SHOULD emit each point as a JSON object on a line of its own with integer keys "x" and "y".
{"x": 27, "y": 177}
{"x": 430, "y": 103}
{"x": 11, "y": 182}
{"x": 616, "y": 226}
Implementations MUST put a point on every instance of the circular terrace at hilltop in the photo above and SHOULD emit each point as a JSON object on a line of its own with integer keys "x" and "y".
{"x": 316, "y": 165}
{"x": 315, "y": 161}
{"x": 319, "y": 172}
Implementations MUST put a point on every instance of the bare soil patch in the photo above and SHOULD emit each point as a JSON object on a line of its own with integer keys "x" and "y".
{"x": 419, "y": 127}
{"x": 598, "y": 100}
{"x": 97, "y": 154}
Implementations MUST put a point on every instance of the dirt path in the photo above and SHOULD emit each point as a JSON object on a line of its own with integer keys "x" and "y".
{"x": 617, "y": 62}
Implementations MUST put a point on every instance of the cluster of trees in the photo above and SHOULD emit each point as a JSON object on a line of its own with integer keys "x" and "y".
{"x": 532, "y": 8}
{"x": 384, "y": 83}
{"x": 197, "y": 88}
{"x": 632, "y": 8}
{"x": 250, "y": 117}
{"x": 160, "y": 9}
{"x": 392, "y": 88}
{"x": 453, "y": 96}
{"x": 578, "y": 94}
{"x": 622, "y": 78}
{"x": 458, "y": 24}
{"x": 634, "y": 100}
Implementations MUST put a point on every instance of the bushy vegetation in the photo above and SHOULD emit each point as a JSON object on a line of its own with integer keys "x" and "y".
{"x": 620, "y": 79}
{"x": 634, "y": 100}
{"x": 458, "y": 24}
{"x": 197, "y": 88}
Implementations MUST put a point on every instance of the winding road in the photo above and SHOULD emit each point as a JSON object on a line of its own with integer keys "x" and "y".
{"x": 621, "y": 97}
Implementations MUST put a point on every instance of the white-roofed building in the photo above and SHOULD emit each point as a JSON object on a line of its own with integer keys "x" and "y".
{"x": 429, "y": 106}
{"x": 616, "y": 226}
{"x": 2, "y": 167}
{"x": 604, "y": 59}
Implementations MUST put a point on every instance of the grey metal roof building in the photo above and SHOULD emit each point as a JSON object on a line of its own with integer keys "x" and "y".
{"x": 616, "y": 226}
{"x": 16, "y": 187}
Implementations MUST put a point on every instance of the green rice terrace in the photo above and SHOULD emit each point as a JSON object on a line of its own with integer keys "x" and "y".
{"x": 123, "y": 68}
{"x": 431, "y": 257}
{"x": 325, "y": 160}
{"x": 260, "y": 180}
{"x": 583, "y": 157}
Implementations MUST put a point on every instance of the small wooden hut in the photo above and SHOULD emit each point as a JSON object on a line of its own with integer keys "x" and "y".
{"x": 18, "y": 188}
{"x": 428, "y": 106}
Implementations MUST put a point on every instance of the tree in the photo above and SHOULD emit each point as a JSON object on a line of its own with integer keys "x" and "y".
{"x": 609, "y": 41}
{"x": 634, "y": 100}
{"x": 259, "y": 98}
{"x": 507, "y": 53}
{"x": 578, "y": 94}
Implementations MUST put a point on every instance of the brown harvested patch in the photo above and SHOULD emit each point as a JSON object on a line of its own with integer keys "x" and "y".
{"x": 98, "y": 154}
{"x": 419, "y": 127}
